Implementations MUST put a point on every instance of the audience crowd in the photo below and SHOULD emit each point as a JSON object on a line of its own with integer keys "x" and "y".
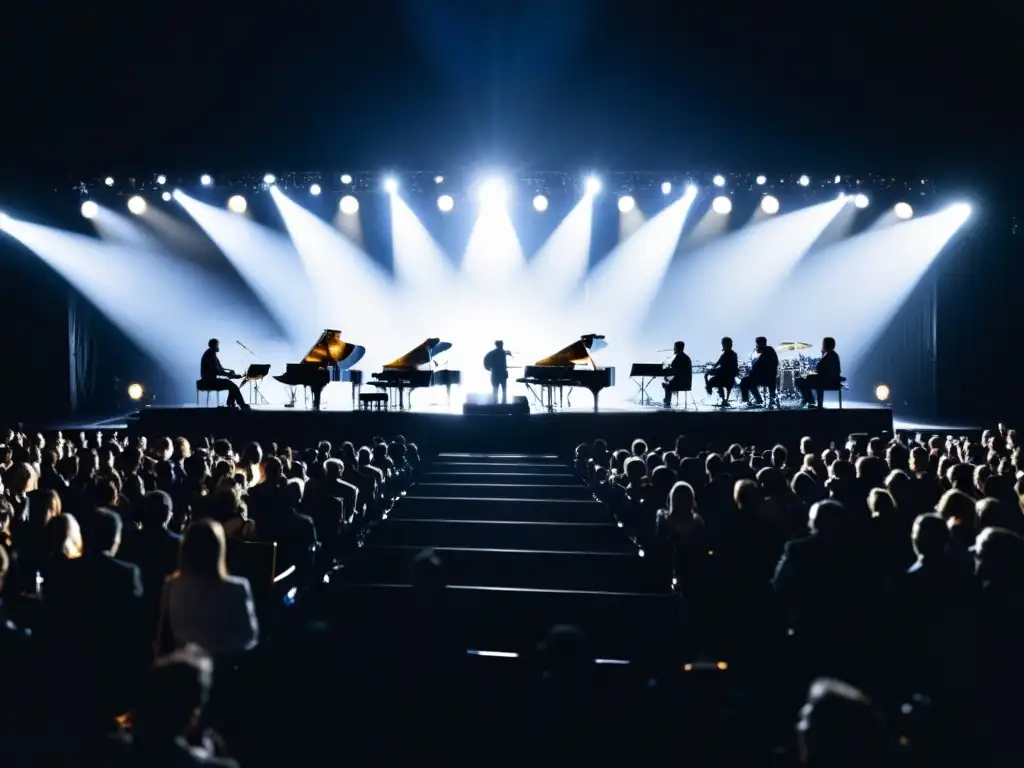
{"x": 115, "y": 552}
{"x": 893, "y": 564}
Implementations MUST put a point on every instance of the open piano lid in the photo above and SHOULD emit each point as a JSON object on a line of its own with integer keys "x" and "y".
{"x": 329, "y": 349}
{"x": 577, "y": 353}
{"x": 421, "y": 355}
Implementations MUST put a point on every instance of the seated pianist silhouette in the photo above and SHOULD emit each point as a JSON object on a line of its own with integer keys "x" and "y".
{"x": 722, "y": 375}
{"x": 681, "y": 370}
{"x": 214, "y": 376}
{"x": 827, "y": 375}
{"x": 764, "y": 372}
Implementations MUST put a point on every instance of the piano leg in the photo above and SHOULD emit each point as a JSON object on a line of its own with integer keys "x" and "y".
{"x": 596, "y": 393}
{"x": 316, "y": 397}
{"x": 448, "y": 387}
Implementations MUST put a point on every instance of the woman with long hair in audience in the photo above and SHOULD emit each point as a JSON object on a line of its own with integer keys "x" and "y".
{"x": 202, "y": 603}
{"x": 682, "y": 536}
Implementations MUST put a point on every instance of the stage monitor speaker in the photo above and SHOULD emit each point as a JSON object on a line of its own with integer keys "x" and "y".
{"x": 484, "y": 405}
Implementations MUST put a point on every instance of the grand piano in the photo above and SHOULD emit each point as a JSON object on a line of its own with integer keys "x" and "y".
{"x": 329, "y": 359}
{"x": 418, "y": 368}
{"x": 569, "y": 367}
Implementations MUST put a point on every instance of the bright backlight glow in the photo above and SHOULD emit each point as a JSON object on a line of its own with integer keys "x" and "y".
{"x": 445, "y": 203}
{"x": 90, "y": 210}
{"x": 161, "y": 179}
{"x": 109, "y": 181}
{"x": 804, "y": 181}
{"x": 166, "y": 197}
{"x": 593, "y": 185}
{"x": 237, "y": 204}
{"x": 882, "y": 392}
{"x": 348, "y": 205}
{"x": 136, "y": 205}
{"x": 494, "y": 193}
{"x": 314, "y": 189}
{"x": 391, "y": 185}
{"x": 346, "y": 178}
{"x": 626, "y": 203}
{"x": 861, "y": 201}
{"x": 769, "y": 204}
{"x": 540, "y": 203}
{"x": 903, "y": 210}
{"x": 206, "y": 180}
{"x": 666, "y": 187}
{"x": 721, "y": 205}
{"x": 135, "y": 391}
{"x": 719, "y": 180}
{"x": 762, "y": 180}
{"x": 269, "y": 179}
{"x": 439, "y": 179}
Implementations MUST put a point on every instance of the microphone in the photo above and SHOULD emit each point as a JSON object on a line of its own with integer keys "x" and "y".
{"x": 245, "y": 347}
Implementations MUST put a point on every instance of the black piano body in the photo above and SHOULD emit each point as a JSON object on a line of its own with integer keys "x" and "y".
{"x": 570, "y": 367}
{"x": 329, "y": 359}
{"x": 416, "y": 369}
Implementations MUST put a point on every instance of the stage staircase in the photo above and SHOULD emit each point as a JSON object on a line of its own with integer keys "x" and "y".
{"x": 525, "y": 546}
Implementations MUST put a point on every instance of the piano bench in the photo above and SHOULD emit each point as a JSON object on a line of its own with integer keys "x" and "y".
{"x": 373, "y": 401}
{"x": 202, "y": 386}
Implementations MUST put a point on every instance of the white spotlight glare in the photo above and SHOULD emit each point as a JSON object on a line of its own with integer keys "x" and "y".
{"x": 804, "y": 181}
{"x": 770, "y": 204}
{"x": 166, "y": 197}
{"x": 719, "y": 180}
{"x": 762, "y": 180}
{"x": 136, "y": 205}
{"x": 161, "y": 179}
{"x": 666, "y": 187}
{"x": 445, "y": 203}
{"x": 439, "y": 179}
{"x": 691, "y": 191}
{"x": 391, "y": 185}
{"x": 314, "y": 189}
{"x": 721, "y": 205}
{"x": 269, "y": 179}
{"x": 237, "y": 204}
{"x": 109, "y": 181}
{"x": 903, "y": 210}
{"x": 593, "y": 185}
{"x": 4, "y": 218}
{"x": 861, "y": 201}
{"x": 961, "y": 210}
{"x": 493, "y": 193}
{"x": 348, "y": 205}
{"x": 838, "y": 178}
{"x": 90, "y": 210}
{"x": 626, "y": 203}
{"x": 206, "y": 180}
{"x": 135, "y": 391}
{"x": 882, "y": 393}
{"x": 540, "y": 203}
{"x": 346, "y": 178}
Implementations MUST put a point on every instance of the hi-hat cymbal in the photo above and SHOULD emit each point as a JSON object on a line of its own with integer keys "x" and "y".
{"x": 792, "y": 346}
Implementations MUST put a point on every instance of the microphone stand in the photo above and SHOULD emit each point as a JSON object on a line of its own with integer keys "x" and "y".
{"x": 255, "y": 393}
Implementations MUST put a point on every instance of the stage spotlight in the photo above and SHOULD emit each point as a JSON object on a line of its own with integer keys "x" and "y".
{"x": 346, "y": 178}
{"x": 769, "y": 204}
{"x": 445, "y": 203}
{"x": 348, "y": 205}
{"x": 626, "y": 203}
{"x": 903, "y": 210}
{"x": 314, "y": 189}
{"x": 237, "y": 204}
{"x": 719, "y": 180}
{"x": 593, "y": 185}
{"x": 90, "y": 210}
{"x": 166, "y": 197}
{"x": 838, "y": 178}
{"x": 721, "y": 205}
{"x": 804, "y": 181}
{"x": 206, "y": 180}
{"x": 4, "y": 218}
{"x": 962, "y": 210}
{"x": 540, "y": 203}
{"x": 136, "y": 205}
{"x": 494, "y": 193}
{"x": 882, "y": 393}
{"x": 439, "y": 179}
{"x": 762, "y": 180}
{"x": 135, "y": 391}
{"x": 861, "y": 201}
{"x": 109, "y": 181}
{"x": 666, "y": 187}
{"x": 161, "y": 179}
{"x": 269, "y": 179}
{"x": 391, "y": 185}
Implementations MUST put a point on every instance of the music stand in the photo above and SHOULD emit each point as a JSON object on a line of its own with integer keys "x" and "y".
{"x": 253, "y": 376}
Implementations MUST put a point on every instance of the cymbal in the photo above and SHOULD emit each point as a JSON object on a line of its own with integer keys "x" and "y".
{"x": 792, "y": 346}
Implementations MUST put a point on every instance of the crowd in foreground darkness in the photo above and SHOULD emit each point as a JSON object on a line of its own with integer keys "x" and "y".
{"x": 839, "y": 606}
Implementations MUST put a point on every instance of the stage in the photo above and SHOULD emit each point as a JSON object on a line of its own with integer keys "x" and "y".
{"x": 445, "y": 430}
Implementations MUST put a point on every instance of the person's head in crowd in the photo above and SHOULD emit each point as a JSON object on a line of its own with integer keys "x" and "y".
{"x": 918, "y": 460}
{"x": 956, "y": 506}
{"x": 881, "y": 504}
{"x": 898, "y": 456}
{"x": 334, "y": 469}
{"x": 876, "y": 448}
{"x": 294, "y": 490}
{"x": 995, "y": 513}
{"x": 999, "y": 558}
{"x": 671, "y": 460}
{"x": 222, "y": 450}
{"x": 105, "y": 492}
{"x": 582, "y": 454}
{"x": 157, "y": 510}
{"x": 252, "y": 455}
{"x": 982, "y": 472}
{"x": 747, "y": 496}
{"x": 807, "y": 445}
{"x": 653, "y": 461}
{"x": 976, "y": 453}
{"x": 62, "y": 537}
{"x": 682, "y": 505}
{"x": 599, "y": 448}
{"x": 779, "y": 457}
{"x": 930, "y": 536}
{"x": 204, "y": 551}
{"x": 960, "y": 477}
{"x": 829, "y": 457}
{"x": 323, "y": 450}
{"x": 5, "y": 565}
{"x": 899, "y": 484}
{"x": 273, "y": 471}
{"x": 662, "y": 480}
{"x": 636, "y": 470}
{"x": 43, "y": 506}
{"x": 735, "y": 452}
{"x": 639, "y": 448}
{"x": 163, "y": 448}
{"x": 347, "y": 454}
{"x": 828, "y": 518}
{"x": 812, "y": 463}
{"x": 173, "y": 700}
{"x": 21, "y": 480}
{"x": 772, "y": 483}
{"x": 182, "y": 449}
{"x": 104, "y": 534}
{"x": 840, "y": 728}
{"x": 714, "y": 466}
{"x": 68, "y": 467}
{"x": 871, "y": 471}
{"x": 936, "y": 445}
{"x": 363, "y": 457}
{"x": 806, "y": 488}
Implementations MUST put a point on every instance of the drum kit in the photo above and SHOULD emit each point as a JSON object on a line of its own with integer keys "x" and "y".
{"x": 792, "y": 363}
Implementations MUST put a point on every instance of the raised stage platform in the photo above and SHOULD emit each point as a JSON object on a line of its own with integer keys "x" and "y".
{"x": 559, "y": 431}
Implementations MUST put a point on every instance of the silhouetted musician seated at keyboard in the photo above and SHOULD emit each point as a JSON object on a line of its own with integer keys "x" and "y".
{"x": 216, "y": 378}
{"x": 722, "y": 375}
{"x": 681, "y": 370}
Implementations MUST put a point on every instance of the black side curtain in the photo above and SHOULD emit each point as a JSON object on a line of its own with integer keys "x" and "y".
{"x": 82, "y": 355}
